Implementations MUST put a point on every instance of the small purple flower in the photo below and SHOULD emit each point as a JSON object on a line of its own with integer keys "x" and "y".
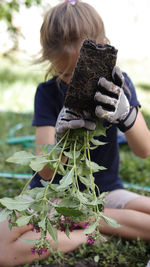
{"x": 62, "y": 227}
{"x": 73, "y": 226}
{"x": 45, "y": 250}
{"x": 85, "y": 225}
{"x": 40, "y": 252}
{"x": 68, "y": 220}
{"x": 33, "y": 251}
{"x": 37, "y": 229}
{"x": 90, "y": 239}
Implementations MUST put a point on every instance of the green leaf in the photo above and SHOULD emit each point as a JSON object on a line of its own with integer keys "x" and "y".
{"x": 97, "y": 142}
{"x": 44, "y": 183}
{"x": 35, "y": 206}
{"x": 82, "y": 169}
{"x": 28, "y": 241}
{"x": 91, "y": 228}
{"x": 54, "y": 154}
{"x": 85, "y": 181}
{"x": 36, "y": 192}
{"x": 82, "y": 197}
{"x": 66, "y": 180}
{"x": 52, "y": 164}
{"x": 4, "y": 214}
{"x": 38, "y": 163}
{"x": 47, "y": 148}
{"x": 67, "y": 231}
{"x": 18, "y": 203}
{"x": 70, "y": 202}
{"x": 94, "y": 202}
{"x": 111, "y": 222}
{"x": 94, "y": 166}
{"x": 13, "y": 217}
{"x": 61, "y": 169}
{"x": 21, "y": 157}
{"x": 78, "y": 132}
{"x": 68, "y": 212}
{"x": 52, "y": 231}
{"x": 42, "y": 224}
{"x": 23, "y": 220}
{"x": 100, "y": 129}
{"x": 93, "y": 147}
{"x": 70, "y": 154}
{"x": 96, "y": 258}
{"x": 39, "y": 195}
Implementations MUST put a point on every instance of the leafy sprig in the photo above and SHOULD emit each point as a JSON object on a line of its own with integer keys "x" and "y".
{"x": 60, "y": 206}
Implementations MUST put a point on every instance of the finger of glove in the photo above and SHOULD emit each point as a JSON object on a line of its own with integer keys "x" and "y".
{"x": 104, "y": 114}
{"x": 117, "y": 76}
{"x": 68, "y": 114}
{"x": 76, "y": 124}
{"x": 72, "y": 124}
{"x": 87, "y": 115}
{"x": 110, "y": 88}
{"x": 123, "y": 107}
{"x": 90, "y": 125}
{"x": 99, "y": 97}
{"x": 90, "y": 122}
{"x": 63, "y": 126}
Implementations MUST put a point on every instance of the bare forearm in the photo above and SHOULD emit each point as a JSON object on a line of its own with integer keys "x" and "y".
{"x": 138, "y": 137}
{"x": 46, "y": 173}
{"x": 15, "y": 252}
{"x": 44, "y": 135}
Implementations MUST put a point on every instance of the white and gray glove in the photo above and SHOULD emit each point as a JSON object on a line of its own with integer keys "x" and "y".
{"x": 112, "y": 103}
{"x": 69, "y": 119}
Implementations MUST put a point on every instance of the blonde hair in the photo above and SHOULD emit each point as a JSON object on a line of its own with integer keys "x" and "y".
{"x": 64, "y": 28}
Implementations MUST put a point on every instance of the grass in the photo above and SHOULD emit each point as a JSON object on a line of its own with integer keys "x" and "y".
{"x": 18, "y": 83}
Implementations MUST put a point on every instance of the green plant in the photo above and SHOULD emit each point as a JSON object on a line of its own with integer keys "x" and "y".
{"x": 71, "y": 206}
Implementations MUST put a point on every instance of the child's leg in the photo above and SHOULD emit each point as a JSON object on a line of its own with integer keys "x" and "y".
{"x": 140, "y": 204}
{"x": 134, "y": 218}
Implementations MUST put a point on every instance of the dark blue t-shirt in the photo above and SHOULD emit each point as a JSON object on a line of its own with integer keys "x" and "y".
{"x": 49, "y": 99}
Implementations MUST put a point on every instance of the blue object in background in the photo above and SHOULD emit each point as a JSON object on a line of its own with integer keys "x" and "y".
{"x": 121, "y": 137}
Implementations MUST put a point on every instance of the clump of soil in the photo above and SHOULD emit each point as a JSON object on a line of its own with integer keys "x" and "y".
{"x": 94, "y": 61}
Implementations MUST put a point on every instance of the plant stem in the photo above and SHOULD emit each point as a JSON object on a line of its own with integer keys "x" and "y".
{"x": 91, "y": 172}
{"x": 75, "y": 167}
{"x": 26, "y": 185}
{"x": 59, "y": 159}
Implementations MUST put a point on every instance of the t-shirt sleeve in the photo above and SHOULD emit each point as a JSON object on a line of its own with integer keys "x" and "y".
{"x": 46, "y": 106}
{"x": 132, "y": 96}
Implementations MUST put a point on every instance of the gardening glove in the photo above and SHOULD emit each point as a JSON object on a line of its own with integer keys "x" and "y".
{"x": 69, "y": 119}
{"x": 112, "y": 103}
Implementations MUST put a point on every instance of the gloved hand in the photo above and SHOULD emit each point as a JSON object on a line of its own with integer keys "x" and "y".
{"x": 112, "y": 103}
{"x": 69, "y": 119}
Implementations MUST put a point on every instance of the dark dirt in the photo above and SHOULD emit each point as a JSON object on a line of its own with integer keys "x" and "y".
{"x": 94, "y": 61}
